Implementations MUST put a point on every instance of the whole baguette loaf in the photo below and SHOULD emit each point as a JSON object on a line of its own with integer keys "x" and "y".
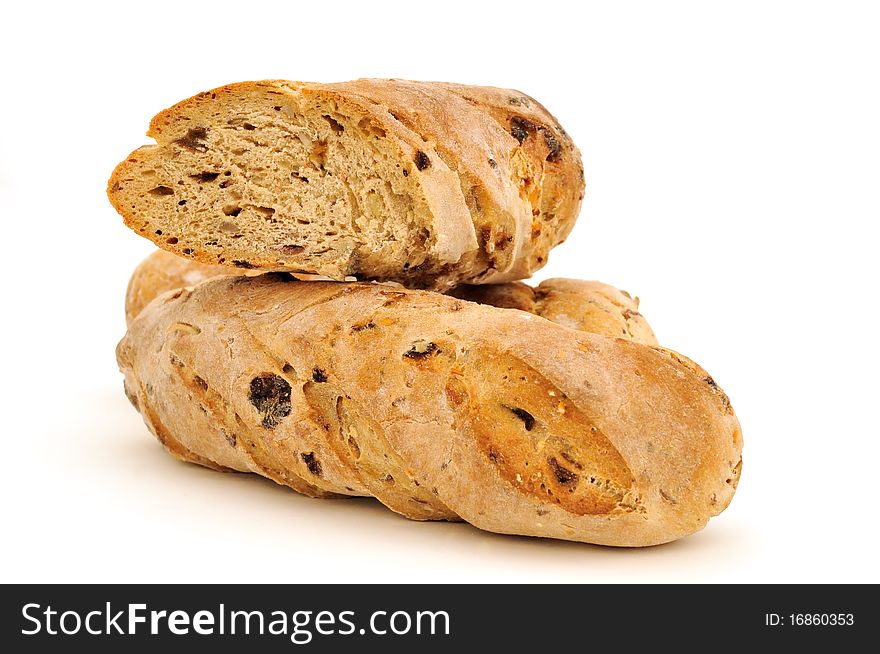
{"x": 440, "y": 408}
{"x": 584, "y": 305}
{"x": 427, "y": 184}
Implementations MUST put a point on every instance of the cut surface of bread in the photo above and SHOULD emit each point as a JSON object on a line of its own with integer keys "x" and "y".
{"x": 423, "y": 183}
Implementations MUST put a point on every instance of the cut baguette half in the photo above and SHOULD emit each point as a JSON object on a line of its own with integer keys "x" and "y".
{"x": 379, "y": 179}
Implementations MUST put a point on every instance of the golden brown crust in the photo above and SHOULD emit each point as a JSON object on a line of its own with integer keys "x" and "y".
{"x": 501, "y": 418}
{"x": 583, "y": 305}
{"x": 554, "y": 177}
{"x": 163, "y": 271}
{"x": 487, "y": 191}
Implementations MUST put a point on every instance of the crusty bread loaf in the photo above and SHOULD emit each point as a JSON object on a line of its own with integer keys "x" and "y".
{"x": 587, "y": 306}
{"x": 428, "y": 184}
{"x": 439, "y": 407}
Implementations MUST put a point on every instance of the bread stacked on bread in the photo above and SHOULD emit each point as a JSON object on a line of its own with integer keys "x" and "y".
{"x": 339, "y": 310}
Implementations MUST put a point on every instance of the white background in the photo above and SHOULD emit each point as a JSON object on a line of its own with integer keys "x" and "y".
{"x": 732, "y": 155}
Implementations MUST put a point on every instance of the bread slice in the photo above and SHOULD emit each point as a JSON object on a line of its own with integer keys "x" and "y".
{"x": 583, "y": 305}
{"x": 423, "y": 183}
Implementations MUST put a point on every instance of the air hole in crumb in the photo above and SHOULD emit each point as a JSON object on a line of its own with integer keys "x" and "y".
{"x": 231, "y": 211}
{"x": 161, "y": 190}
{"x": 205, "y": 177}
{"x": 171, "y": 241}
{"x": 334, "y": 124}
{"x": 249, "y": 127}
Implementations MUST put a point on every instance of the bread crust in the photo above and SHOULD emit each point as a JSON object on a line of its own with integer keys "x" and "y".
{"x": 493, "y": 186}
{"x": 583, "y": 305}
{"x": 441, "y": 408}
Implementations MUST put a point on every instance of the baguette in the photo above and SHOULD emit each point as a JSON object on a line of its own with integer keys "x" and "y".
{"x": 427, "y": 184}
{"x": 583, "y": 305}
{"x": 439, "y": 407}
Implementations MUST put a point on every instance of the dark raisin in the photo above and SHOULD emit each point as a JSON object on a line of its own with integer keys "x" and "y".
{"x": 725, "y": 401}
{"x": 187, "y": 251}
{"x": 270, "y": 395}
{"x": 563, "y": 475}
{"x": 194, "y": 139}
{"x": 318, "y": 375}
{"x": 493, "y": 163}
{"x": 231, "y": 211}
{"x": 161, "y": 190}
{"x": 421, "y": 350}
{"x": 181, "y": 203}
{"x": 249, "y": 127}
{"x": 553, "y": 145}
{"x": 172, "y": 240}
{"x": 238, "y": 263}
{"x": 406, "y": 173}
{"x": 363, "y": 326}
{"x": 312, "y": 463}
{"x": 520, "y": 128}
{"x": 422, "y": 160}
{"x": 527, "y": 418}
